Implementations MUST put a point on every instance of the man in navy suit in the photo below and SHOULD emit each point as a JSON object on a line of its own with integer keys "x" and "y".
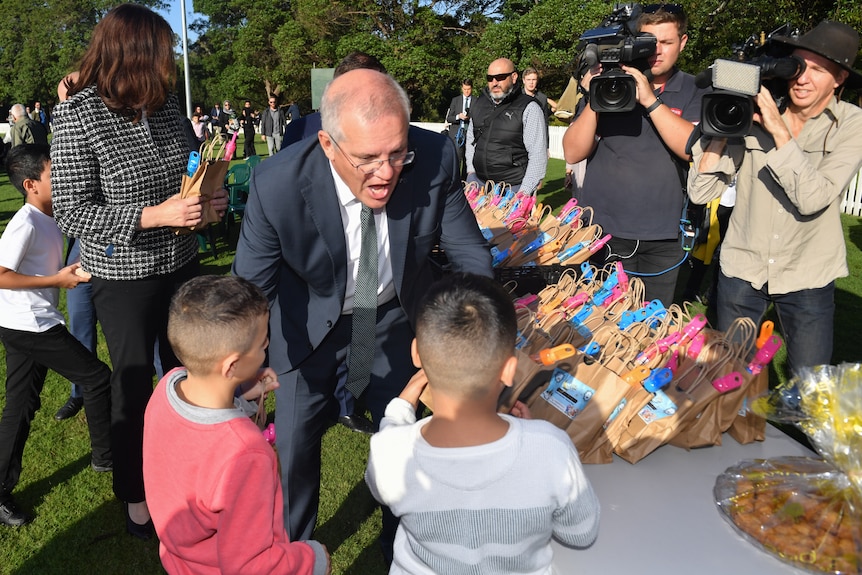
{"x": 459, "y": 119}
{"x": 300, "y": 243}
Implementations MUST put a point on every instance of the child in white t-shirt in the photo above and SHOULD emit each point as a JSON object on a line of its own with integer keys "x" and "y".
{"x": 33, "y": 330}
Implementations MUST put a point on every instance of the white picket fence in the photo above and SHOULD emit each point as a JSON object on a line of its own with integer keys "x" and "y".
{"x": 852, "y": 203}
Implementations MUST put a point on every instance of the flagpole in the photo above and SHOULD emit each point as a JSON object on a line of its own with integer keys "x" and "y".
{"x": 186, "y": 60}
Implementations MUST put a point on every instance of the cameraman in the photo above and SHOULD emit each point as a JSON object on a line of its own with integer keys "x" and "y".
{"x": 785, "y": 243}
{"x": 636, "y": 160}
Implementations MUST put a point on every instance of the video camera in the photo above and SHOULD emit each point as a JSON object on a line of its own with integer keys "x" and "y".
{"x": 728, "y": 111}
{"x": 616, "y": 41}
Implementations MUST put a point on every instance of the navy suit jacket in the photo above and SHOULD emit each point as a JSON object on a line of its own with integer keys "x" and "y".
{"x": 455, "y": 108}
{"x": 292, "y": 239}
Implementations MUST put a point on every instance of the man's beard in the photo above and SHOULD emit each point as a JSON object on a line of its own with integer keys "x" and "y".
{"x": 497, "y": 99}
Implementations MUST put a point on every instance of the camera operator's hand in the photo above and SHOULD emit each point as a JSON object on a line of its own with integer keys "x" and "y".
{"x": 712, "y": 152}
{"x": 589, "y": 75}
{"x": 769, "y": 117}
{"x": 645, "y": 94}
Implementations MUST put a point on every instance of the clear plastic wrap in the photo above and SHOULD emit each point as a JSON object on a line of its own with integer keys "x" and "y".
{"x": 806, "y": 511}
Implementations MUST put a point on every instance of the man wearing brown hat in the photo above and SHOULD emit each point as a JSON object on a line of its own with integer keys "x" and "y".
{"x": 785, "y": 244}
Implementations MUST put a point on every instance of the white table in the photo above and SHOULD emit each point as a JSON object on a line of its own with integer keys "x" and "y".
{"x": 658, "y": 516}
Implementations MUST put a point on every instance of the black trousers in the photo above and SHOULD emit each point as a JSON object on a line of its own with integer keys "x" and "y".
{"x": 29, "y": 356}
{"x": 133, "y": 314}
{"x": 248, "y": 147}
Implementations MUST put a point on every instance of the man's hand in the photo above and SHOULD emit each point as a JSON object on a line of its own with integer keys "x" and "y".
{"x": 645, "y": 93}
{"x": 770, "y": 118}
{"x": 589, "y": 75}
{"x": 711, "y": 154}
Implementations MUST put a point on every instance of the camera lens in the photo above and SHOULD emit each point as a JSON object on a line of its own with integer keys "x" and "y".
{"x": 613, "y": 91}
{"x": 726, "y": 114}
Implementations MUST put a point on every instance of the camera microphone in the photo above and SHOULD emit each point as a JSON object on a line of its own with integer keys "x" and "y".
{"x": 704, "y": 79}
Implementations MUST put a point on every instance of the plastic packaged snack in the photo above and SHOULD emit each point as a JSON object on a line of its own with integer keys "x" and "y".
{"x": 806, "y": 511}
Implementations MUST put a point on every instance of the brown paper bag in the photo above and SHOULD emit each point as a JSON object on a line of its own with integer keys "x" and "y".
{"x": 748, "y": 427}
{"x": 207, "y": 179}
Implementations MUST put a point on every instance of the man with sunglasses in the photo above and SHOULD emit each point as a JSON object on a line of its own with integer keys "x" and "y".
{"x": 636, "y": 160}
{"x": 507, "y": 137}
{"x": 302, "y": 242}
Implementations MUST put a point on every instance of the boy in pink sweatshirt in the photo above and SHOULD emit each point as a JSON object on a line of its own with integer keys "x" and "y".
{"x": 210, "y": 476}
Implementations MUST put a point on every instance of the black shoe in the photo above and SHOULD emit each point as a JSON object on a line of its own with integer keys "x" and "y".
{"x": 70, "y": 409}
{"x": 357, "y": 423}
{"x": 11, "y": 516}
{"x": 102, "y": 466}
{"x": 143, "y": 532}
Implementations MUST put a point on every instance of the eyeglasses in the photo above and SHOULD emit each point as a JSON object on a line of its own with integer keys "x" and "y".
{"x": 499, "y": 77}
{"x": 368, "y": 168}
{"x": 669, "y": 8}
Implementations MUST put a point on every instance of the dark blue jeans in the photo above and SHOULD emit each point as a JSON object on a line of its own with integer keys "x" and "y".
{"x": 82, "y": 314}
{"x": 805, "y": 317}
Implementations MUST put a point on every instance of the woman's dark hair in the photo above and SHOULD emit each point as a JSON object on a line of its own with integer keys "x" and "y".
{"x": 130, "y": 60}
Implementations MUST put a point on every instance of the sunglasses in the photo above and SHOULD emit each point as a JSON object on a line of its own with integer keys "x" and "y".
{"x": 499, "y": 77}
{"x": 669, "y": 8}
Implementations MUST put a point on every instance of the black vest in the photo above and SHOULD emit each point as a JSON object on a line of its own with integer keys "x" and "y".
{"x": 498, "y": 135}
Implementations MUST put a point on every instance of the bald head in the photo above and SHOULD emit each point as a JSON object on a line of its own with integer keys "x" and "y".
{"x": 501, "y": 66}
{"x": 501, "y": 79}
{"x": 366, "y": 95}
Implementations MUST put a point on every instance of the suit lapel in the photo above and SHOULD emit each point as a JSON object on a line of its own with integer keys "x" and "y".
{"x": 322, "y": 201}
{"x": 399, "y": 214}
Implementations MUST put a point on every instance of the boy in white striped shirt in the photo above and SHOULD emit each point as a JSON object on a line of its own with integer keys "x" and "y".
{"x": 476, "y": 491}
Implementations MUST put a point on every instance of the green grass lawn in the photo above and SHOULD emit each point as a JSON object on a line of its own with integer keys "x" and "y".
{"x": 79, "y": 526}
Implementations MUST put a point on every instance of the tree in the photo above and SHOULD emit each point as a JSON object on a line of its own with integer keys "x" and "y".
{"x": 420, "y": 43}
{"x": 40, "y": 43}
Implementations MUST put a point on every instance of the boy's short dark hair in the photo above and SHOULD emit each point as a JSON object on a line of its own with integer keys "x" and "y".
{"x": 26, "y": 162}
{"x": 465, "y": 332}
{"x": 213, "y": 316}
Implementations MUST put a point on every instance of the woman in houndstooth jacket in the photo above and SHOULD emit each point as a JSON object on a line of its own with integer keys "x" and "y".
{"x": 118, "y": 155}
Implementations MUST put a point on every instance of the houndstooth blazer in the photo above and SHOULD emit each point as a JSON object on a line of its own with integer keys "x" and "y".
{"x": 104, "y": 171}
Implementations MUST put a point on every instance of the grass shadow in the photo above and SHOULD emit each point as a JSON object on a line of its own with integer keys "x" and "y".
{"x": 33, "y": 494}
{"x": 95, "y": 543}
{"x": 854, "y": 232}
{"x": 356, "y": 508}
{"x": 554, "y": 193}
